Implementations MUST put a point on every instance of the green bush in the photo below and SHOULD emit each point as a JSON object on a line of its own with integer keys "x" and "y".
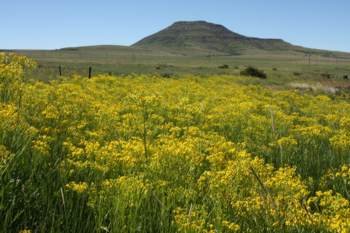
{"x": 254, "y": 72}
{"x": 224, "y": 66}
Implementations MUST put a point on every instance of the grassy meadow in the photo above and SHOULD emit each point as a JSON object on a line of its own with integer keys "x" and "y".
{"x": 187, "y": 153}
{"x": 282, "y": 68}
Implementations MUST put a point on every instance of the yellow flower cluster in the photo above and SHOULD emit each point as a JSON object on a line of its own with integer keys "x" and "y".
{"x": 334, "y": 211}
{"x": 42, "y": 145}
{"x": 146, "y": 154}
{"x": 25, "y": 231}
{"x": 190, "y": 221}
{"x": 12, "y": 69}
{"x": 80, "y": 187}
{"x": 4, "y": 155}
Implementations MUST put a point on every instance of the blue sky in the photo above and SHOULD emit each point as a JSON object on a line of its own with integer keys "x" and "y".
{"x": 43, "y": 24}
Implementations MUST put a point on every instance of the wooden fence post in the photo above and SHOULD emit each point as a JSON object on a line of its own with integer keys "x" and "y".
{"x": 60, "y": 70}
{"x": 90, "y": 71}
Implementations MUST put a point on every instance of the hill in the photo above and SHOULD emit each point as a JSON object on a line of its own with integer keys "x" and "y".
{"x": 201, "y": 37}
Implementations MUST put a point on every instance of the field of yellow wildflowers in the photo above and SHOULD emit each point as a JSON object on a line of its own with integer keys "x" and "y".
{"x": 189, "y": 154}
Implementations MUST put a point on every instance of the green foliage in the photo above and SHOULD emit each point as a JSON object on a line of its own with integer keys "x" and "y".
{"x": 254, "y": 72}
{"x": 225, "y": 66}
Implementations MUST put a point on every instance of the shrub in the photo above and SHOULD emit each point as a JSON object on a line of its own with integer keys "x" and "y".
{"x": 346, "y": 77}
{"x": 296, "y": 73}
{"x": 163, "y": 66}
{"x": 326, "y": 75}
{"x": 167, "y": 75}
{"x": 254, "y": 72}
{"x": 224, "y": 66}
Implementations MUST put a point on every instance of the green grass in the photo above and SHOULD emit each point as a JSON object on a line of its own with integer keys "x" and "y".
{"x": 280, "y": 70}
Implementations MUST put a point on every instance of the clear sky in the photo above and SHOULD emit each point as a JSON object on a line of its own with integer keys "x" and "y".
{"x": 45, "y": 24}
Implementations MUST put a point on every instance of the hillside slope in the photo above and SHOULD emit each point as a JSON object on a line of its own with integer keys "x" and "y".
{"x": 201, "y": 37}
